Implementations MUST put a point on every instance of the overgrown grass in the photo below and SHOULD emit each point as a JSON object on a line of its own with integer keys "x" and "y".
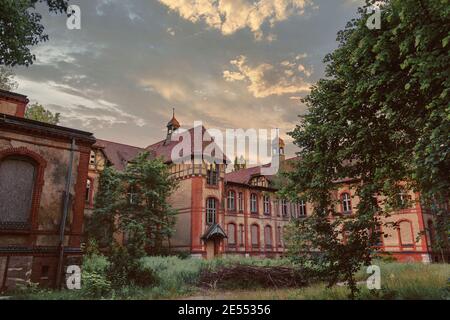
{"x": 177, "y": 278}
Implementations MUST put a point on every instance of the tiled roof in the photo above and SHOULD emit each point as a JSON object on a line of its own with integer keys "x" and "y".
{"x": 163, "y": 150}
{"x": 117, "y": 153}
{"x": 243, "y": 176}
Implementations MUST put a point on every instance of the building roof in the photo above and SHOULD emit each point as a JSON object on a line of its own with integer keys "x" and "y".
{"x": 118, "y": 154}
{"x": 37, "y": 127}
{"x": 13, "y": 95}
{"x": 163, "y": 149}
{"x": 244, "y": 176}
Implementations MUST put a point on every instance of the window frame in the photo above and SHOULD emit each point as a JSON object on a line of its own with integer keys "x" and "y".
{"x": 231, "y": 198}
{"x": 253, "y": 200}
{"x": 267, "y": 205}
{"x": 346, "y": 201}
{"x": 211, "y": 212}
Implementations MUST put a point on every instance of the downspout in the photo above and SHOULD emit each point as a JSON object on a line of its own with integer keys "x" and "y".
{"x": 62, "y": 225}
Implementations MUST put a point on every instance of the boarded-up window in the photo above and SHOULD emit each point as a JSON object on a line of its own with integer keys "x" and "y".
{"x": 231, "y": 234}
{"x": 406, "y": 234}
{"x": 268, "y": 236}
{"x": 255, "y": 235}
{"x": 17, "y": 177}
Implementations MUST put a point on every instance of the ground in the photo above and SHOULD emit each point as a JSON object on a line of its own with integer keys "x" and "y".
{"x": 398, "y": 281}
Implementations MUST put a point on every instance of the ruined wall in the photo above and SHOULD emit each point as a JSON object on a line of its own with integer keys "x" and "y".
{"x": 29, "y": 254}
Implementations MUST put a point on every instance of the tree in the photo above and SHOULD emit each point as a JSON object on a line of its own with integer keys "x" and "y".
{"x": 20, "y": 28}
{"x": 384, "y": 104}
{"x": 135, "y": 203}
{"x": 37, "y": 112}
{"x": 7, "y": 79}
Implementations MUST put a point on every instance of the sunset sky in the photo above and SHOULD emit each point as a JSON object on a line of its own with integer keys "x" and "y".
{"x": 229, "y": 63}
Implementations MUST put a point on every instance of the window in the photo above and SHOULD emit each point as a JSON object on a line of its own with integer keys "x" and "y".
{"x": 255, "y": 235}
{"x": 405, "y": 231}
{"x": 279, "y": 237}
{"x": 346, "y": 203}
{"x": 302, "y": 208}
{"x": 211, "y": 209}
{"x": 253, "y": 203}
{"x": 212, "y": 174}
{"x": 92, "y": 158}
{"x": 241, "y": 235}
{"x": 284, "y": 207}
{"x": 404, "y": 199}
{"x": 240, "y": 202}
{"x": 268, "y": 236}
{"x": 17, "y": 179}
{"x": 231, "y": 203}
{"x": 266, "y": 205}
{"x": 88, "y": 191}
{"x": 293, "y": 208}
{"x": 231, "y": 234}
{"x": 132, "y": 195}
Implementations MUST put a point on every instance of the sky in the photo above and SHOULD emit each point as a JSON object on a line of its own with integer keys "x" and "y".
{"x": 228, "y": 63}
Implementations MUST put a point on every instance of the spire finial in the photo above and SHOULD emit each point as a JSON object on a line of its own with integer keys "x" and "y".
{"x": 173, "y": 112}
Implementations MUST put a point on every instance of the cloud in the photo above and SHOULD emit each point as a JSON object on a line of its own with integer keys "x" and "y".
{"x": 91, "y": 112}
{"x": 229, "y": 16}
{"x": 266, "y": 79}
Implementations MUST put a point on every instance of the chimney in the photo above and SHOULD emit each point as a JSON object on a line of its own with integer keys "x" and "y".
{"x": 13, "y": 104}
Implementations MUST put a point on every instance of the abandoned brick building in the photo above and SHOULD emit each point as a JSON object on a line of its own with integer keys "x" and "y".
{"x": 48, "y": 172}
{"x": 238, "y": 213}
{"x": 43, "y": 173}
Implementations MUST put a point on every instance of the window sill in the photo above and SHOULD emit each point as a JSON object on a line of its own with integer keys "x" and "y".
{"x": 212, "y": 186}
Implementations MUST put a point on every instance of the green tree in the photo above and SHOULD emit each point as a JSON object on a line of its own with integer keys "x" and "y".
{"x": 7, "y": 79}
{"x": 384, "y": 105}
{"x": 37, "y": 112}
{"x": 135, "y": 203}
{"x": 20, "y": 28}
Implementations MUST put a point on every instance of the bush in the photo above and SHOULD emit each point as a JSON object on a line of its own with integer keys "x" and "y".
{"x": 126, "y": 270}
{"x": 94, "y": 279}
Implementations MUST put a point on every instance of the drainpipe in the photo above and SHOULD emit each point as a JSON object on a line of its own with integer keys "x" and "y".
{"x": 65, "y": 213}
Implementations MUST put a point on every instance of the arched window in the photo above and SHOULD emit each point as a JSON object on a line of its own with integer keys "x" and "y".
{"x": 231, "y": 201}
{"x": 406, "y": 234}
{"x": 211, "y": 210}
{"x": 268, "y": 236}
{"x": 253, "y": 203}
{"x": 231, "y": 234}
{"x": 266, "y": 201}
{"x": 17, "y": 180}
{"x": 241, "y": 235}
{"x": 255, "y": 235}
{"x": 302, "y": 208}
{"x": 346, "y": 203}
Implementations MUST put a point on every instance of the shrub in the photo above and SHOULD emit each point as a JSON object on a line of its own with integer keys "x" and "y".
{"x": 94, "y": 278}
{"x": 126, "y": 270}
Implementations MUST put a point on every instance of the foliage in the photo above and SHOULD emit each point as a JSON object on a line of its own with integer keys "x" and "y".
{"x": 134, "y": 202}
{"x": 7, "y": 79}
{"x": 101, "y": 225}
{"x": 125, "y": 270}
{"x": 94, "y": 280}
{"x": 37, "y": 112}
{"x": 381, "y": 116}
{"x": 20, "y": 28}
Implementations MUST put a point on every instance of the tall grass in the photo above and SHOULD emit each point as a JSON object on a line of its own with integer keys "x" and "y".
{"x": 177, "y": 278}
